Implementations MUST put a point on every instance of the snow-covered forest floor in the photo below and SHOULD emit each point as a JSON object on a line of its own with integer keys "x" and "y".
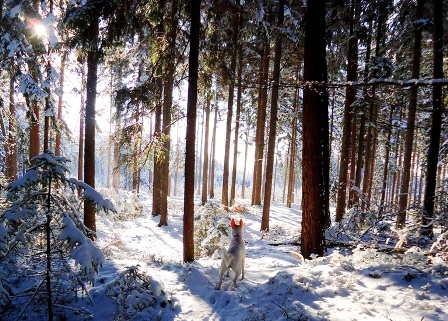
{"x": 357, "y": 284}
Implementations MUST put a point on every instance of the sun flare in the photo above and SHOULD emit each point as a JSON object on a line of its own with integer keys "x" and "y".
{"x": 39, "y": 29}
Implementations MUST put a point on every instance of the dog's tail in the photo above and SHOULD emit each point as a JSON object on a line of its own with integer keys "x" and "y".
{"x": 227, "y": 257}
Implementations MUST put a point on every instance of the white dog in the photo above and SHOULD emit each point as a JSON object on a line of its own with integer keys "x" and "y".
{"x": 234, "y": 257}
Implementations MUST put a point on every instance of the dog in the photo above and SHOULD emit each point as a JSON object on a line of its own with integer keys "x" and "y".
{"x": 234, "y": 257}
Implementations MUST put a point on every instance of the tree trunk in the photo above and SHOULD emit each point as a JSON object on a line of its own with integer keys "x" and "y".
{"x": 34, "y": 131}
{"x": 434, "y": 142}
{"x": 416, "y": 166}
{"x": 48, "y": 111}
{"x": 225, "y": 174}
{"x": 212, "y": 154}
{"x": 386, "y": 162}
{"x": 261, "y": 121}
{"x": 82, "y": 116}
{"x": 273, "y": 119}
{"x": 201, "y": 148}
{"x": 110, "y": 140}
{"x": 206, "y": 143}
{"x": 315, "y": 190}
{"x": 167, "y": 106}
{"x": 246, "y": 143}
{"x": 237, "y": 116}
{"x": 150, "y": 174}
{"x": 57, "y": 151}
{"x": 352, "y": 75}
{"x": 193, "y": 66}
{"x": 292, "y": 157}
{"x": 395, "y": 179}
{"x": 11, "y": 146}
{"x": 373, "y": 128}
{"x": 409, "y": 138}
{"x": 89, "y": 148}
{"x": 285, "y": 172}
{"x": 157, "y": 184}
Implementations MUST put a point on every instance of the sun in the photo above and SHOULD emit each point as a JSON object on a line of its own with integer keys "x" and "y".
{"x": 39, "y": 29}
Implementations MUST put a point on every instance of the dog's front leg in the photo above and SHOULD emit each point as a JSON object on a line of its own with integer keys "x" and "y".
{"x": 218, "y": 286}
{"x": 242, "y": 269}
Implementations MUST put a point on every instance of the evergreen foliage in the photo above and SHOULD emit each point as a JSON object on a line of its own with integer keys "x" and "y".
{"x": 44, "y": 241}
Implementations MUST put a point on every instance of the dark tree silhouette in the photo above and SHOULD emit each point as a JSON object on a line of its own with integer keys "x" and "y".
{"x": 315, "y": 152}
{"x": 193, "y": 66}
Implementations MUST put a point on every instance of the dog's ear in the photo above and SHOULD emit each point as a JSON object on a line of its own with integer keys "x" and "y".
{"x": 241, "y": 222}
{"x": 232, "y": 223}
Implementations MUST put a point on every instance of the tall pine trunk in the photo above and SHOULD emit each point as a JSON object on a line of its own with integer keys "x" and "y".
{"x": 82, "y": 115}
{"x": 11, "y": 146}
{"x": 237, "y": 117}
{"x": 167, "y": 105}
{"x": 434, "y": 142}
{"x": 89, "y": 148}
{"x": 350, "y": 96}
{"x": 206, "y": 143}
{"x": 261, "y": 119}
{"x": 157, "y": 184}
{"x": 246, "y": 148}
{"x": 292, "y": 153}
{"x": 193, "y": 66}
{"x": 315, "y": 192}
{"x": 225, "y": 178}
{"x": 212, "y": 154}
{"x": 57, "y": 151}
{"x": 410, "y": 127}
{"x": 273, "y": 119}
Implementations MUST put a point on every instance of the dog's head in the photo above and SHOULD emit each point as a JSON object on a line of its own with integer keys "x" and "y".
{"x": 237, "y": 228}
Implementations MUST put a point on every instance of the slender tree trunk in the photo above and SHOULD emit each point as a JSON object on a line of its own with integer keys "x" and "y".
{"x": 386, "y": 162}
{"x": 273, "y": 119}
{"x": 409, "y": 138}
{"x": 206, "y": 143}
{"x": 434, "y": 143}
{"x": 109, "y": 143}
{"x": 201, "y": 148}
{"x": 315, "y": 186}
{"x": 261, "y": 122}
{"x": 358, "y": 154}
{"x": 11, "y": 146}
{"x": 57, "y": 151}
{"x": 89, "y": 148}
{"x": 395, "y": 178}
{"x": 82, "y": 115}
{"x": 196, "y": 162}
{"x": 150, "y": 174}
{"x": 246, "y": 143}
{"x": 274, "y": 178}
{"x": 237, "y": 116}
{"x": 416, "y": 178}
{"x": 212, "y": 154}
{"x": 158, "y": 168}
{"x": 193, "y": 66}
{"x": 225, "y": 178}
{"x": 413, "y": 172}
{"x": 285, "y": 172}
{"x": 135, "y": 166}
{"x": 116, "y": 181}
{"x": 292, "y": 158}
{"x": 34, "y": 149}
{"x": 167, "y": 106}
{"x": 352, "y": 75}
{"x": 373, "y": 129}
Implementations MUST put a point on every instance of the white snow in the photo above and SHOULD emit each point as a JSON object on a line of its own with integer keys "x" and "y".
{"x": 363, "y": 284}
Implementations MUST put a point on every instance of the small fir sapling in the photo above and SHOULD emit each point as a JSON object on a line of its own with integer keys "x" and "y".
{"x": 43, "y": 240}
